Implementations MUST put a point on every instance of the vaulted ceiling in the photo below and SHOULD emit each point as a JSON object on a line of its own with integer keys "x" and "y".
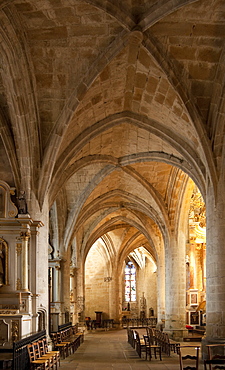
{"x": 107, "y": 108}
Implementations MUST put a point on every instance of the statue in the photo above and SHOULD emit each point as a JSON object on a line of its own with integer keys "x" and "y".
{"x": 22, "y": 205}
{"x": 143, "y": 302}
{"x": 2, "y": 265}
{"x": 142, "y": 306}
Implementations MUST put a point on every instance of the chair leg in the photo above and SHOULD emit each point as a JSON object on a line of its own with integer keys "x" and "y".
{"x": 160, "y": 354}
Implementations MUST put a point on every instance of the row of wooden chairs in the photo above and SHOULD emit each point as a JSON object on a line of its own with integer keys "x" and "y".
{"x": 41, "y": 358}
{"x": 155, "y": 342}
{"x": 143, "y": 344}
{"x": 162, "y": 339}
{"x": 67, "y": 341}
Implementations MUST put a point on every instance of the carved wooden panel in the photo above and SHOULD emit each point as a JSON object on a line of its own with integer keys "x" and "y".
{"x": 4, "y": 332}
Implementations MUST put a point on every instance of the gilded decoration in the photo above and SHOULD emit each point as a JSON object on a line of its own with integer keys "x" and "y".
{"x": 15, "y": 330}
{"x": 25, "y": 235}
{"x": 18, "y": 284}
{"x": 19, "y": 249}
{"x": 197, "y": 218}
{"x": 196, "y": 246}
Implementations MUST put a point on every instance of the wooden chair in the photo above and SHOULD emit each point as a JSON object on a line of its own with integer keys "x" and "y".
{"x": 61, "y": 347}
{"x": 38, "y": 355}
{"x": 216, "y": 363}
{"x": 40, "y": 364}
{"x": 56, "y": 353}
{"x": 170, "y": 345}
{"x": 149, "y": 347}
{"x": 216, "y": 356}
{"x": 189, "y": 362}
{"x": 63, "y": 338}
{"x": 78, "y": 333}
{"x": 44, "y": 351}
{"x": 133, "y": 341}
{"x": 151, "y": 333}
{"x": 140, "y": 344}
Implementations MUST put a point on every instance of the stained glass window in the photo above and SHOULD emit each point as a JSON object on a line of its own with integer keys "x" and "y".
{"x": 130, "y": 282}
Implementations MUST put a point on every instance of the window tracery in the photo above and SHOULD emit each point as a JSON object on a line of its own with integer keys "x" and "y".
{"x": 130, "y": 282}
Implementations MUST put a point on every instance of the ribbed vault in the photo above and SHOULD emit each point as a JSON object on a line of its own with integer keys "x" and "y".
{"x": 108, "y": 111}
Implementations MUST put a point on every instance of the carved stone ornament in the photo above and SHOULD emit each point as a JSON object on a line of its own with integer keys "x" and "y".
{"x": 7, "y": 207}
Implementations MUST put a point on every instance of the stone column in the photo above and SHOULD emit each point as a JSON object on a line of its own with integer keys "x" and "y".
{"x": 215, "y": 264}
{"x": 57, "y": 283}
{"x": 161, "y": 290}
{"x": 25, "y": 235}
{"x": 114, "y": 295}
{"x": 80, "y": 304}
{"x": 72, "y": 294}
{"x": 175, "y": 317}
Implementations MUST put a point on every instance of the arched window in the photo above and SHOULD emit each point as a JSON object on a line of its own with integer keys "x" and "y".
{"x": 130, "y": 282}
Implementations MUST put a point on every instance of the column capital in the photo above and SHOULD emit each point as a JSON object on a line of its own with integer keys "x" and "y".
{"x": 25, "y": 235}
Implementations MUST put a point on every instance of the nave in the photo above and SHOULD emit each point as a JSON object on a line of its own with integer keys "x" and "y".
{"x": 109, "y": 350}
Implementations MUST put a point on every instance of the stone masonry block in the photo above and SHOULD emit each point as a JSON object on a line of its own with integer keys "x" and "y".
{"x": 183, "y": 52}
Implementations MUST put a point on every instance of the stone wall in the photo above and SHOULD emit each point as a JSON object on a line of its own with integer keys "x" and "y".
{"x": 146, "y": 283}
{"x": 96, "y": 285}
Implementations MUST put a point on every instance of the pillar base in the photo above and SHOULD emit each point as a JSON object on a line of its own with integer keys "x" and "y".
{"x": 177, "y": 334}
{"x": 206, "y": 341}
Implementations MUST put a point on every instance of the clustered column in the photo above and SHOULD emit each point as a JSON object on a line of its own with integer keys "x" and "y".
{"x": 175, "y": 317}
{"x": 215, "y": 262}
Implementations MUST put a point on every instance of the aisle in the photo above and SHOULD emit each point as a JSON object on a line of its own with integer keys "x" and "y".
{"x": 109, "y": 350}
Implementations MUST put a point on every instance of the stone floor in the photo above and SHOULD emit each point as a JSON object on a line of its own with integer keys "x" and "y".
{"x": 109, "y": 350}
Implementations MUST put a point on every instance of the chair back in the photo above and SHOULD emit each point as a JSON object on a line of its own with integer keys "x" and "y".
{"x": 147, "y": 341}
{"x": 187, "y": 361}
{"x": 215, "y": 363}
{"x": 136, "y": 335}
{"x": 36, "y": 350}
{"x": 31, "y": 352}
{"x": 41, "y": 347}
